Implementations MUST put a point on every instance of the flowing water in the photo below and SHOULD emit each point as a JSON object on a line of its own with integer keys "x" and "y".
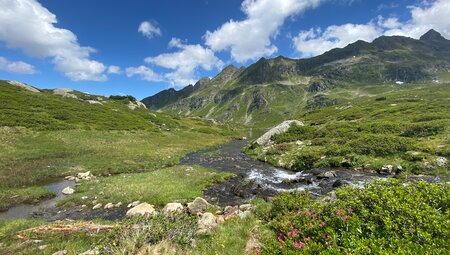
{"x": 258, "y": 179}
{"x": 25, "y": 211}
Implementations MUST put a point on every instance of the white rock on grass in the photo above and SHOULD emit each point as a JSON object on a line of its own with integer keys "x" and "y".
{"x": 246, "y": 207}
{"x": 68, "y": 191}
{"x": 24, "y": 86}
{"x": 97, "y": 206}
{"x": 143, "y": 209}
{"x": 441, "y": 161}
{"x": 133, "y": 204}
{"x": 94, "y": 251}
{"x": 109, "y": 206}
{"x": 118, "y": 204}
{"x": 172, "y": 207}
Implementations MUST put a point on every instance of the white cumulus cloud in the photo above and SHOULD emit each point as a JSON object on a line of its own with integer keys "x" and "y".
{"x": 423, "y": 17}
{"x": 148, "y": 29}
{"x": 144, "y": 73}
{"x": 19, "y": 67}
{"x": 114, "y": 70}
{"x": 185, "y": 61}
{"x": 27, "y": 25}
{"x": 251, "y": 38}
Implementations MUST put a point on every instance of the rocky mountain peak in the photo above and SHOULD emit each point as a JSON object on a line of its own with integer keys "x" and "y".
{"x": 432, "y": 35}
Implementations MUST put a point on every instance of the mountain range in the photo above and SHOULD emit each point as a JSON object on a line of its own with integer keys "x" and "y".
{"x": 272, "y": 90}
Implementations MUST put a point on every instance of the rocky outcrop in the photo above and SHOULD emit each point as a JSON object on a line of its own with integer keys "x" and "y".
{"x": 206, "y": 223}
{"x": 265, "y": 139}
{"x": 172, "y": 207}
{"x": 24, "y": 86}
{"x": 64, "y": 93}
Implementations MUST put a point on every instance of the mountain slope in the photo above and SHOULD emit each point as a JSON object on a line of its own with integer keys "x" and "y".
{"x": 275, "y": 89}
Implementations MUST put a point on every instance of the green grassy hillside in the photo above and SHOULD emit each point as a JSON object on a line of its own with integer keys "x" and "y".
{"x": 406, "y": 126}
{"x": 44, "y": 136}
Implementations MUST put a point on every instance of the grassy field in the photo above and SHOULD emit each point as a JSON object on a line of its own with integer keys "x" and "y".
{"x": 406, "y": 126}
{"x": 45, "y": 136}
{"x": 180, "y": 184}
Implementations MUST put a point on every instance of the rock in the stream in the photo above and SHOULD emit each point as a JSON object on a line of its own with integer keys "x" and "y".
{"x": 68, "y": 191}
{"x": 172, "y": 207}
{"x": 387, "y": 170}
{"x": 326, "y": 175}
{"x": 143, "y": 209}
{"x": 198, "y": 205}
{"x": 337, "y": 183}
{"x": 109, "y": 206}
{"x": 133, "y": 204}
{"x": 441, "y": 161}
{"x": 63, "y": 252}
{"x": 206, "y": 223}
{"x": 70, "y": 178}
{"x": 97, "y": 206}
{"x": 266, "y": 139}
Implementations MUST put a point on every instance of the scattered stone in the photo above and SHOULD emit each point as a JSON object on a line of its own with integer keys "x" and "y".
{"x": 133, "y": 204}
{"x": 63, "y": 252}
{"x": 441, "y": 161}
{"x": 83, "y": 206}
{"x": 143, "y": 209}
{"x": 133, "y": 105}
{"x": 109, "y": 206}
{"x": 387, "y": 170}
{"x": 220, "y": 219}
{"x": 337, "y": 183}
{"x": 198, "y": 205}
{"x": 94, "y": 251}
{"x": 326, "y": 175}
{"x": 68, "y": 191}
{"x": 70, "y": 178}
{"x": 97, "y": 206}
{"x": 172, "y": 207}
{"x": 244, "y": 214}
{"x": 118, "y": 205}
{"x": 42, "y": 247}
{"x": 84, "y": 197}
{"x": 206, "y": 222}
{"x": 85, "y": 176}
{"x": 93, "y": 102}
{"x": 428, "y": 165}
{"x": 246, "y": 207}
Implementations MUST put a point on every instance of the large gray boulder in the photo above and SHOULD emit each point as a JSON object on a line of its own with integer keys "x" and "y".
{"x": 198, "y": 205}
{"x": 64, "y": 93}
{"x": 143, "y": 209}
{"x": 266, "y": 139}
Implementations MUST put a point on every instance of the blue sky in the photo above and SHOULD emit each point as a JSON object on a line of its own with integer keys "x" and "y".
{"x": 141, "y": 47}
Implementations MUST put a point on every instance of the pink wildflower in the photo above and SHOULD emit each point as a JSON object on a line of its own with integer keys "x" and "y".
{"x": 350, "y": 209}
{"x": 344, "y": 219}
{"x": 339, "y": 212}
{"x": 308, "y": 214}
{"x": 307, "y": 238}
{"x": 315, "y": 216}
{"x": 299, "y": 245}
{"x": 322, "y": 224}
{"x": 293, "y": 233}
{"x": 280, "y": 238}
{"x": 257, "y": 251}
{"x": 281, "y": 247}
{"x": 311, "y": 225}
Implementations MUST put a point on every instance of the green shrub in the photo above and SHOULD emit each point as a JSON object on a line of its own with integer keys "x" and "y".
{"x": 424, "y": 129}
{"x": 307, "y": 157}
{"x": 383, "y": 217}
{"x": 133, "y": 234}
{"x": 381, "y": 145}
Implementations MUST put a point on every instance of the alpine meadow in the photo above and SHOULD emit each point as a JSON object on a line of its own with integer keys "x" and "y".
{"x": 224, "y": 127}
